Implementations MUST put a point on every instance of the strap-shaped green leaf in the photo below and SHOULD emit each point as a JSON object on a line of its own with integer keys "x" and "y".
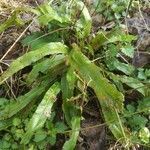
{"x": 5, "y": 123}
{"x": 15, "y": 106}
{"x": 31, "y": 57}
{"x": 71, "y": 111}
{"x": 48, "y": 14}
{"x": 13, "y": 20}
{"x": 110, "y": 98}
{"x": 71, "y": 143}
{"x": 131, "y": 82}
{"x": 42, "y": 112}
{"x": 67, "y": 88}
{"x": 125, "y": 68}
{"x": 84, "y": 24}
{"x": 44, "y": 66}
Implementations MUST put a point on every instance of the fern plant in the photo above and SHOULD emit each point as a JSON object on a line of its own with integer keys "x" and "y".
{"x": 59, "y": 61}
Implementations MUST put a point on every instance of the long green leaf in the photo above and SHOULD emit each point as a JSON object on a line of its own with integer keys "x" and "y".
{"x": 22, "y": 114}
{"x": 130, "y": 81}
{"x": 100, "y": 39}
{"x": 12, "y": 109}
{"x": 67, "y": 88}
{"x": 37, "y": 40}
{"x": 113, "y": 36}
{"x": 42, "y": 112}
{"x": 5, "y": 123}
{"x": 71, "y": 111}
{"x": 47, "y": 14}
{"x": 84, "y": 24}
{"x": 71, "y": 143}
{"x": 15, "y": 106}
{"x": 125, "y": 68}
{"x": 110, "y": 98}
{"x": 31, "y": 57}
{"x": 68, "y": 84}
{"x": 134, "y": 83}
{"x": 22, "y": 101}
{"x": 44, "y": 66}
{"x": 13, "y": 20}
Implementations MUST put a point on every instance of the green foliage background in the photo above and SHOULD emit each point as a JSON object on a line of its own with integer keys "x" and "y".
{"x": 60, "y": 62}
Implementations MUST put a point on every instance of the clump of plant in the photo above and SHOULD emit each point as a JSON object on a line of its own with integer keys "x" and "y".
{"x": 137, "y": 119}
{"x": 64, "y": 63}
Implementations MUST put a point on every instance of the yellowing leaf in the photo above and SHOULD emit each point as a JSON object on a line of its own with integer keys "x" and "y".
{"x": 110, "y": 98}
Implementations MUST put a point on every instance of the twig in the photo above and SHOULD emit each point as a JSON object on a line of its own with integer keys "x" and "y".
{"x": 127, "y": 12}
{"x": 143, "y": 17}
{"x": 8, "y": 51}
